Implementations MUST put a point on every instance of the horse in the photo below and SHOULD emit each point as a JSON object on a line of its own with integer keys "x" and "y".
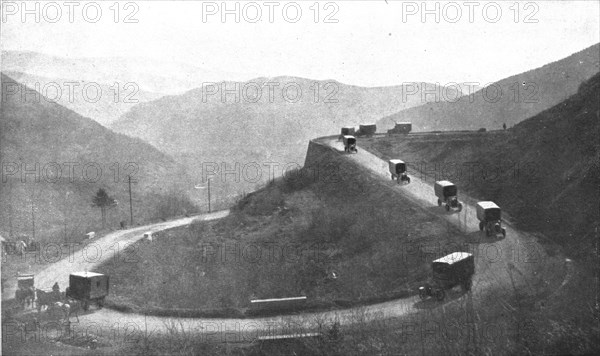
{"x": 68, "y": 308}
{"x": 47, "y": 298}
{"x": 25, "y": 296}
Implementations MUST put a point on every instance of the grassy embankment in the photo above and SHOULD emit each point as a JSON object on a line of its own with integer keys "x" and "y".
{"x": 286, "y": 240}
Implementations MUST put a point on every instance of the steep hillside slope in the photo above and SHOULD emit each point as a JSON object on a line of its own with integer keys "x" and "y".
{"x": 103, "y": 102}
{"x": 55, "y": 160}
{"x": 509, "y": 101}
{"x": 264, "y": 124}
{"x": 544, "y": 171}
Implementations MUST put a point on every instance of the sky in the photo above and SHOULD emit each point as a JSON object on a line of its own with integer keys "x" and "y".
{"x": 367, "y": 43}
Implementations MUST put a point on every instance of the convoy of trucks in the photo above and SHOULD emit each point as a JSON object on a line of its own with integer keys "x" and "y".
{"x": 458, "y": 267}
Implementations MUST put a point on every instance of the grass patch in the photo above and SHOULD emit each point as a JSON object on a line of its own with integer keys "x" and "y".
{"x": 342, "y": 241}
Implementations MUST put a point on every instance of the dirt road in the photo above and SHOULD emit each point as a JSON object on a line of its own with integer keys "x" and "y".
{"x": 502, "y": 264}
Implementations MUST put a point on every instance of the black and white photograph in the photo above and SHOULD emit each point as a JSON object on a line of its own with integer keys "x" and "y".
{"x": 309, "y": 177}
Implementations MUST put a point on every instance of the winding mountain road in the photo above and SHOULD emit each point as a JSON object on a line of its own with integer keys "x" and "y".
{"x": 502, "y": 264}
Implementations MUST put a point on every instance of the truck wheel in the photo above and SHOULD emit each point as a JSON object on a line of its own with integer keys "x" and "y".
{"x": 422, "y": 295}
{"x": 459, "y": 207}
{"x": 392, "y": 177}
{"x": 488, "y": 232}
{"x": 440, "y": 295}
{"x": 439, "y": 202}
{"x": 407, "y": 180}
{"x": 480, "y": 226}
{"x": 447, "y": 207}
{"x": 503, "y": 232}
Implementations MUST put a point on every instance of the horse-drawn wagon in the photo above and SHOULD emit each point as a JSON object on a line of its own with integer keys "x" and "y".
{"x": 88, "y": 287}
{"x": 25, "y": 293}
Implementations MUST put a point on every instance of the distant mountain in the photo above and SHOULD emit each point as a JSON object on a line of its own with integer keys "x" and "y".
{"x": 55, "y": 161}
{"x": 509, "y": 101}
{"x": 223, "y": 124}
{"x": 150, "y": 75}
{"x": 102, "y": 102}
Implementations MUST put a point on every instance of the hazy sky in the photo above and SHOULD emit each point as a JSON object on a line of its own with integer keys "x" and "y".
{"x": 367, "y": 43}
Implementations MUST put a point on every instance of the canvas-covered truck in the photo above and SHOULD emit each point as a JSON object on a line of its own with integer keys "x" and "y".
{"x": 401, "y": 128}
{"x": 366, "y": 130}
{"x": 449, "y": 271}
{"x": 88, "y": 287}
{"x": 490, "y": 218}
{"x": 447, "y": 192}
{"x": 347, "y": 131}
{"x": 398, "y": 170}
{"x": 350, "y": 144}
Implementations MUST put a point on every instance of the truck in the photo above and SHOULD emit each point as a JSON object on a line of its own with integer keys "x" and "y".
{"x": 398, "y": 170}
{"x": 350, "y": 144}
{"x": 88, "y": 287}
{"x": 446, "y": 192}
{"x": 347, "y": 131}
{"x": 449, "y": 271}
{"x": 366, "y": 130}
{"x": 401, "y": 128}
{"x": 490, "y": 218}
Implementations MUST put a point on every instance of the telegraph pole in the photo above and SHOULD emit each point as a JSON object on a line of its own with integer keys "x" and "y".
{"x": 130, "y": 201}
{"x": 209, "y": 195}
{"x": 32, "y": 221}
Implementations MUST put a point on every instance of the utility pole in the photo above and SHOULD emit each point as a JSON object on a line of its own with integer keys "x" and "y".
{"x": 32, "y": 221}
{"x": 209, "y": 195}
{"x": 130, "y": 201}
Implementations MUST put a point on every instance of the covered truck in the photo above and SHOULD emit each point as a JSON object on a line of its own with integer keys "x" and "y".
{"x": 347, "y": 131}
{"x": 350, "y": 144}
{"x": 88, "y": 287}
{"x": 447, "y": 192}
{"x": 366, "y": 130}
{"x": 401, "y": 128}
{"x": 398, "y": 170}
{"x": 490, "y": 218}
{"x": 449, "y": 271}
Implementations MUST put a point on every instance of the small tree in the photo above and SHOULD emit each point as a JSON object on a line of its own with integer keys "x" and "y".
{"x": 103, "y": 201}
